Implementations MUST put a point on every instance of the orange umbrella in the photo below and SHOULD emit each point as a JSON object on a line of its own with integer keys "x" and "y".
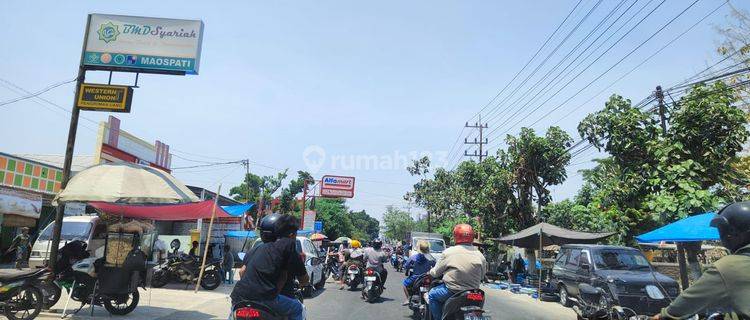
{"x": 317, "y": 237}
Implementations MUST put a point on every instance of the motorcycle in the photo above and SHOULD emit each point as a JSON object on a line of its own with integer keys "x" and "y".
{"x": 464, "y": 305}
{"x": 354, "y": 276}
{"x": 253, "y": 310}
{"x": 400, "y": 263}
{"x": 331, "y": 268}
{"x": 417, "y": 292}
{"x": 394, "y": 260}
{"x": 20, "y": 297}
{"x": 373, "y": 287}
{"x": 183, "y": 268}
{"x": 88, "y": 281}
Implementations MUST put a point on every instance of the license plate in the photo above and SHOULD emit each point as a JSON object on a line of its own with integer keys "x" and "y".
{"x": 353, "y": 271}
{"x": 476, "y": 317}
{"x": 369, "y": 278}
{"x": 422, "y": 289}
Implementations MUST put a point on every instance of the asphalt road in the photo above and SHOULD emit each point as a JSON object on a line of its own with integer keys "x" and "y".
{"x": 175, "y": 303}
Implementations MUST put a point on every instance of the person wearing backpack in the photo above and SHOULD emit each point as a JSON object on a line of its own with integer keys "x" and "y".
{"x": 420, "y": 264}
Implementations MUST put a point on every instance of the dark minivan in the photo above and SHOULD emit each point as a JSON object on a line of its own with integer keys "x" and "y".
{"x": 613, "y": 268}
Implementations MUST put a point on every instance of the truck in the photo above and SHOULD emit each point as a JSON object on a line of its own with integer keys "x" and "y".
{"x": 435, "y": 240}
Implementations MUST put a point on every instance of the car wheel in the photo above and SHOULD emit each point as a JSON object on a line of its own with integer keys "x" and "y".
{"x": 564, "y": 296}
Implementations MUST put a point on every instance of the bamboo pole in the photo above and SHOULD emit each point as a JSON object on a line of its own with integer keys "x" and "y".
{"x": 208, "y": 238}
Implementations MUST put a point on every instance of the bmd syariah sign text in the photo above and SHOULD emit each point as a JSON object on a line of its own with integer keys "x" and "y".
{"x": 142, "y": 44}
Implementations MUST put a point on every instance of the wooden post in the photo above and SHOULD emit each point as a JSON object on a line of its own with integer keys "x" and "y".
{"x": 208, "y": 238}
{"x": 539, "y": 258}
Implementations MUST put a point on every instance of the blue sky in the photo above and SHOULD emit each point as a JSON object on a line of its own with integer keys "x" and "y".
{"x": 358, "y": 80}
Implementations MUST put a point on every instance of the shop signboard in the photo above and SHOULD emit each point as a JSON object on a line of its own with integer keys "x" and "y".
{"x": 337, "y": 186}
{"x": 75, "y": 208}
{"x": 318, "y": 226}
{"x": 102, "y": 97}
{"x": 117, "y": 145}
{"x": 143, "y": 44}
{"x": 29, "y": 175}
{"x": 21, "y": 203}
{"x": 308, "y": 221}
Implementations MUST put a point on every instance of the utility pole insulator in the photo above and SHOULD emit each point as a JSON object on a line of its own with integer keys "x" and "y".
{"x": 480, "y": 142}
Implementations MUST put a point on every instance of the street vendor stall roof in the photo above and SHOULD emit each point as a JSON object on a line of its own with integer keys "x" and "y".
{"x": 166, "y": 212}
{"x": 237, "y": 210}
{"x": 125, "y": 183}
{"x": 693, "y": 228}
{"x": 252, "y": 234}
{"x": 529, "y": 237}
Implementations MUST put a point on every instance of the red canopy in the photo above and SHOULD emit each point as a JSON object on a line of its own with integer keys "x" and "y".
{"x": 166, "y": 212}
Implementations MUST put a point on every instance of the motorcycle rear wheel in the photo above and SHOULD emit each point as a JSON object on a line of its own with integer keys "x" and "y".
{"x": 51, "y": 292}
{"x": 25, "y": 304}
{"x": 211, "y": 280}
{"x": 159, "y": 279}
{"x": 124, "y": 307}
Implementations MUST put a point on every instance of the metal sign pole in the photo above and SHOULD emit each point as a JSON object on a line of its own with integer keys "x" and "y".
{"x": 67, "y": 163}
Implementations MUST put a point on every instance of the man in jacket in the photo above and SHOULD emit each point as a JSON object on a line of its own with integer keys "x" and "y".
{"x": 420, "y": 264}
{"x": 462, "y": 268}
{"x": 727, "y": 282}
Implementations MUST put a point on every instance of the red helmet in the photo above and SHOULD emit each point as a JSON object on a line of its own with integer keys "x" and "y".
{"x": 463, "y": 233}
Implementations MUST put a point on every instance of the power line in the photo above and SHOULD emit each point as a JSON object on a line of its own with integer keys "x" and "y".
{"x": 31, "y": 95}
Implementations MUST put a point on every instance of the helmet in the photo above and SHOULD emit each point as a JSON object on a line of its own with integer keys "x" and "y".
{"x": 733, "y": 222}
{"x": 463, "y": 233}
{"x": 274, "y": 226}
{"x": 356, "y": 244}
{"x": 377, "y": 244}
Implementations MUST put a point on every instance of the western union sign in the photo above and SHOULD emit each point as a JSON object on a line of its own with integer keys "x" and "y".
{"x": 103, "y": 97}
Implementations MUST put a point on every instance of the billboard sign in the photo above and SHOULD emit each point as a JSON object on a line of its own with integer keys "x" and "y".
{"x": 142, "y": 44}
{"x": 101, "y": 97}
{"x": 25, "y": 204}
{"x": 337, "y": 186}
{"x": 117, "y": 145}
{"x": 308, "y": 221}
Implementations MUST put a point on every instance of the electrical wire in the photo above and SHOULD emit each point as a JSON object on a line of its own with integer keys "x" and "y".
{"x": 37, "y": 93}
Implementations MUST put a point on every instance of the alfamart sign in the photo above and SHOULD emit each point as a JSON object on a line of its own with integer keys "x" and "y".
{"x": 141, "y": 44}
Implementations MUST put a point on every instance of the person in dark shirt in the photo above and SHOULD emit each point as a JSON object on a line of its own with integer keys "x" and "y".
{"x": 269, "y": 270}
{"x": 194, "y": 250}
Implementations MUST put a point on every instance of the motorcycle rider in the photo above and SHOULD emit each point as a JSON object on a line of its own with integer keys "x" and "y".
{"x": 462, "y": 268}
{"x": 352, "y": 256}
{"x": 726, "y": 282}
{"x": 375, "y": 257}
{"x": 268, "y": 270}
{"x": 420, "y": 263}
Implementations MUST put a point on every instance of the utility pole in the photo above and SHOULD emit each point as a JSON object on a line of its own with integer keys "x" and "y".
{"x": 662, "y": 108}
{"x": 481, "y": 142}
{"x": 302, "y": 210}
{"x": 246, "y": 163}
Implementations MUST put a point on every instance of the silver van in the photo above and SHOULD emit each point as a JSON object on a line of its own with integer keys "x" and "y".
{"x": 86, "y": 228}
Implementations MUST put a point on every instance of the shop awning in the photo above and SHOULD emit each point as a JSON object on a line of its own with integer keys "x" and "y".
{"x": 237, "y": 210}
{"x": 551, "y": 234}
{"x": 693, "y": 228}
{"x": 240, "y": 234}
{"x": 166, "y": 212}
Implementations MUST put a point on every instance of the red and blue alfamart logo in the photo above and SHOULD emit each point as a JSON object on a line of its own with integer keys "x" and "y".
{"x": 335, "y": 182}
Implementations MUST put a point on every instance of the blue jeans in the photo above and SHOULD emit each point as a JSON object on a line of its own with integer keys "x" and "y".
{"x": 286, "y": 306}
{"x": 229, "y": 275}
{"x": 438, "y": 295}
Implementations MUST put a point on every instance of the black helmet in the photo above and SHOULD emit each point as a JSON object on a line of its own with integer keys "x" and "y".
{"x": 274, "y": 226}
{"x": 377, "y": 244}
{"x": 733, "y": 222}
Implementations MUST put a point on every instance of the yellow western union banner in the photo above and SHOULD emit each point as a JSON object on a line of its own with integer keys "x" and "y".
{"x": 103, "y": 97}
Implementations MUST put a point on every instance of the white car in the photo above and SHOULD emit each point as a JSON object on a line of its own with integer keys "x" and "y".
{"x": 313, "y": 262}
{"x": 89, "y": 229}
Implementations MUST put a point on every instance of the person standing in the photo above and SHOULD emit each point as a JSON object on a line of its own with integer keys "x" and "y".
{"x": 21, "y": 244}
{"x": 227, "y": 265}
{"x": 462, "y": 268}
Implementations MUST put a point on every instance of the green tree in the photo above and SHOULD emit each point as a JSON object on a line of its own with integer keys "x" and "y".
{"x": 365, "y": 226}
{"x": 258, "y": 187}
{"x": 289, "y": 194}
{"x": 335, "y": 217}
{"x": 398, "y": 223}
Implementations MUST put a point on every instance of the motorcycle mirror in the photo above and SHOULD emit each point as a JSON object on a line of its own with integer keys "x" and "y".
{"x": 175, "y": 244}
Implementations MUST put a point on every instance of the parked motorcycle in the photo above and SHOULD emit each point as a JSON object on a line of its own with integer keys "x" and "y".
{"x": 88, "y": 281}
{"x": 253, "y": 310}
{"x": 183, "y": 268}
{"x": 417, "y": 292}
{"x": 354, "y": 276}
{"x": 20, "y": 297}
{"x": 595, "y": 303}
{"x": 464, "y": 305}
{"x": 373, "y": 286}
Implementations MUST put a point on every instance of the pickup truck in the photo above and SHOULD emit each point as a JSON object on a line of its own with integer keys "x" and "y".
{"x": 435, "y": 240}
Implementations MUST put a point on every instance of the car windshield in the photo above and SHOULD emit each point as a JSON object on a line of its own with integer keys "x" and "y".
{"x": 436, "y": 245}
{"x": 620, "y": 260}
{"x": 70, "y": 231}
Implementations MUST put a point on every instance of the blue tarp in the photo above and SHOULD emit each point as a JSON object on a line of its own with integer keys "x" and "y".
{"x": 252, "y": 234}
{"x": 240, "y": 234}
{"x": 237, "y": 210}
{"x": 693, "y": 228}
